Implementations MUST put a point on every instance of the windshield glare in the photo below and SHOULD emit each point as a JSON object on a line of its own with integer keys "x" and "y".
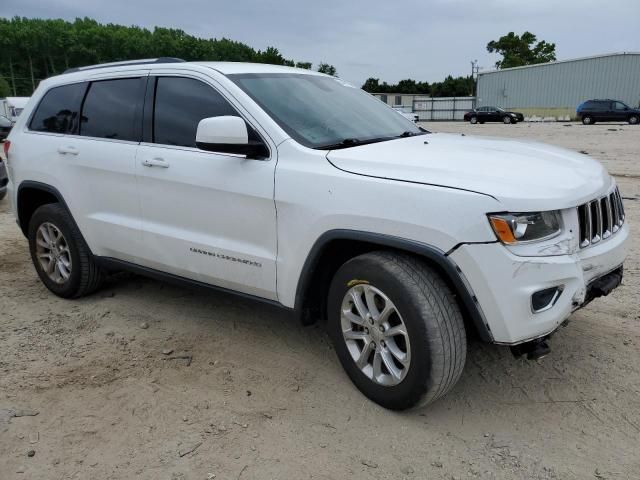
{"x": 320, "y": 111}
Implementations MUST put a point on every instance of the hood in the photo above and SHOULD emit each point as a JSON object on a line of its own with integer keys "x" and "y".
{"x": 522, "y": 175}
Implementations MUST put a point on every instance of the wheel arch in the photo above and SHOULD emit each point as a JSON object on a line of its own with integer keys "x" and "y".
{"x": 32, "y": 195}
{"x": 333, "y": 248}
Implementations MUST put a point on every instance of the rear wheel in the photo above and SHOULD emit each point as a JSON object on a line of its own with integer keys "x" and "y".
{"x": 634, "y": 120}
{"x": 473, "y": 120}
{"x": 397, "y": 329}
{"x": 588, "y": 120}
{"x": 60, "y": 255}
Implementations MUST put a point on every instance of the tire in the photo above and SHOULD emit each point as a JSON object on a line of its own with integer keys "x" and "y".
{"x": 588, "y": 120}
{"x": 84, "y": 276}
{"x": 634, "y": 120}
{"x": 435, "y": 343}
{"x": 3, "y": 194}
{"x": 473, "y": 120}
{"x": 507, "y": 120}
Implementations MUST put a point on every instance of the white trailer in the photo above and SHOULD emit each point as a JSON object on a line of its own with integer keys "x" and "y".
{"x": 11, "y": 107}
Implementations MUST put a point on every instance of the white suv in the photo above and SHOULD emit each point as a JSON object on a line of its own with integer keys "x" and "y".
{"x": 297, "y": 189}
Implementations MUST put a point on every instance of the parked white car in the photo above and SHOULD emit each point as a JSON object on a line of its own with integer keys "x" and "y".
{"x": 414, "y": 117}
{"x": 297, "y": 189}
{"x": 11, "y": 107}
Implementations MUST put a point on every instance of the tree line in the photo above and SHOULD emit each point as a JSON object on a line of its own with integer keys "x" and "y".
{"x": 450, "y": 87}
{"x": 32, "y": 49}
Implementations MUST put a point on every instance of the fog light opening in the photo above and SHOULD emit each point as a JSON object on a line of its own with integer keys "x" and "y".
{"x": 545, "y": 299}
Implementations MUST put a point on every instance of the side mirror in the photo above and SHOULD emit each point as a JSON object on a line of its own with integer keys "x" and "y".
{"x": 228, "y": 134}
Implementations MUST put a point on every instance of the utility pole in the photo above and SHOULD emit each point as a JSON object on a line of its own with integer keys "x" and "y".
{"x": 474, "y": 74}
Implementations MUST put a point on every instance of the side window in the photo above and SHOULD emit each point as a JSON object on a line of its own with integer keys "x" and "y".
{"x": 58, "y": 110}
{"x": 619, "y": 106}
{"x": 180, "y": 104}
{"x": 112, "y": 109}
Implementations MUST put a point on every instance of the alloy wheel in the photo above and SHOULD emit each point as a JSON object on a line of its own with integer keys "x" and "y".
{"x": 52, "y": 251}
{"x": 375, "y": 335}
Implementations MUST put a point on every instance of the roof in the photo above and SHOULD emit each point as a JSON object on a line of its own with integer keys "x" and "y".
{"x": 229, "y": 68}
{"x": 225, "y": 68}
{"x": 579, "y": 59}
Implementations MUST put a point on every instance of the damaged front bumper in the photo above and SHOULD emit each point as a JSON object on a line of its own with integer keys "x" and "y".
{"x": 512, "y": 290}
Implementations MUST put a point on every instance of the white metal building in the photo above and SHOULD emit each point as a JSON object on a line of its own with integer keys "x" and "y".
{"x": 557, "y": 88}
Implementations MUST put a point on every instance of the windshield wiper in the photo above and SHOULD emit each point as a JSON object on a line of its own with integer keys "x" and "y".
{"x": 350, "y": 142}
{"x": 410, "y": 134}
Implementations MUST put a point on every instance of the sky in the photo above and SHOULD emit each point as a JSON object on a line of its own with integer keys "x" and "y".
{"x": 419, "y": 39}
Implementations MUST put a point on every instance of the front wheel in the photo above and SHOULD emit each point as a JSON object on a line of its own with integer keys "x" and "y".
{"x": 634, "y": 120}
{"x": 397, "y": 329}
{"x": 588, "y": 120}
{"x": 508, "y": 120}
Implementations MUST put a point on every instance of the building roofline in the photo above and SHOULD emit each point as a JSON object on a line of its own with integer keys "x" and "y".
{"x": 614, "y": 54}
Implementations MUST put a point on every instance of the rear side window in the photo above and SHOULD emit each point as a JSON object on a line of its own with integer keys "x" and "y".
{"x": 58, "y": 110}
{"x": 180, "y": 104}
{"x": 112, "y": 109}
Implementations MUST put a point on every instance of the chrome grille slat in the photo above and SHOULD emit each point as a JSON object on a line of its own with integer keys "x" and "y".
{"x": 600, "y": 218}
{"x": 607, "y": 222}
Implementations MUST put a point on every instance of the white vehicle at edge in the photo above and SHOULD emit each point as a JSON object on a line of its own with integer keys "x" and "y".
{"x": 11, "y": 107}
{"x": 297, "y": 189}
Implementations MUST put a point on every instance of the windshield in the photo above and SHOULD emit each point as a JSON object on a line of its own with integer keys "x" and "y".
{"x": 324, "y": 112}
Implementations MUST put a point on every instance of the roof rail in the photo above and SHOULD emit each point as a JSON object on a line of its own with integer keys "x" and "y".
{"x": 125, "y": 63}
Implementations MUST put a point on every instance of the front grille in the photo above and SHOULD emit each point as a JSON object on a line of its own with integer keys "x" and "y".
{"x": 600, "y": 218}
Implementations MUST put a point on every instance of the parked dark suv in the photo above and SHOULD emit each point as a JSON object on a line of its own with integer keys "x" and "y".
{"x": 593, "y": 111}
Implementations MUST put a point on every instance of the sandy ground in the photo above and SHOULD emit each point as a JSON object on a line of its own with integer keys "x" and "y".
{"x": 260, "y": 397}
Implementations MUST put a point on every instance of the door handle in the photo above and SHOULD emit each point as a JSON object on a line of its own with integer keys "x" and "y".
{"x": 156, "y": 162}
{"x": 68, "y": 150}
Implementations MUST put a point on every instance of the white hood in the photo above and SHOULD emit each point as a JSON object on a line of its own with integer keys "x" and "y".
{"x": 524, "y": 176}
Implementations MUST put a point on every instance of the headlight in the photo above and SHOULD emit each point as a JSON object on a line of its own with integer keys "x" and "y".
{"x": 514, "y": 228}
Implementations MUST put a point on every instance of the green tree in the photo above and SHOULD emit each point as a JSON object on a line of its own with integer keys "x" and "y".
{"x": 450, "y": 87}
{"x": 521, "y": 50}
{"x": 328, "y": 69}
{"x": 32, "y": 49}
{"x": 371, "y": 85}
{"x": 305, "y": 65}
{"x": 5, "y": 88}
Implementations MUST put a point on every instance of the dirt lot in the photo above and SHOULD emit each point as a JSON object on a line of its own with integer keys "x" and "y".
{"x": 247, "y": 393}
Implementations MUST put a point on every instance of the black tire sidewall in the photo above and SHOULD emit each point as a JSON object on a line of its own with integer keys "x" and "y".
{"x": 56, "y": 215}
{"x": 416, "y": 381}
{"x": 631, "y": 122}
{"x": 589, "y": 118}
